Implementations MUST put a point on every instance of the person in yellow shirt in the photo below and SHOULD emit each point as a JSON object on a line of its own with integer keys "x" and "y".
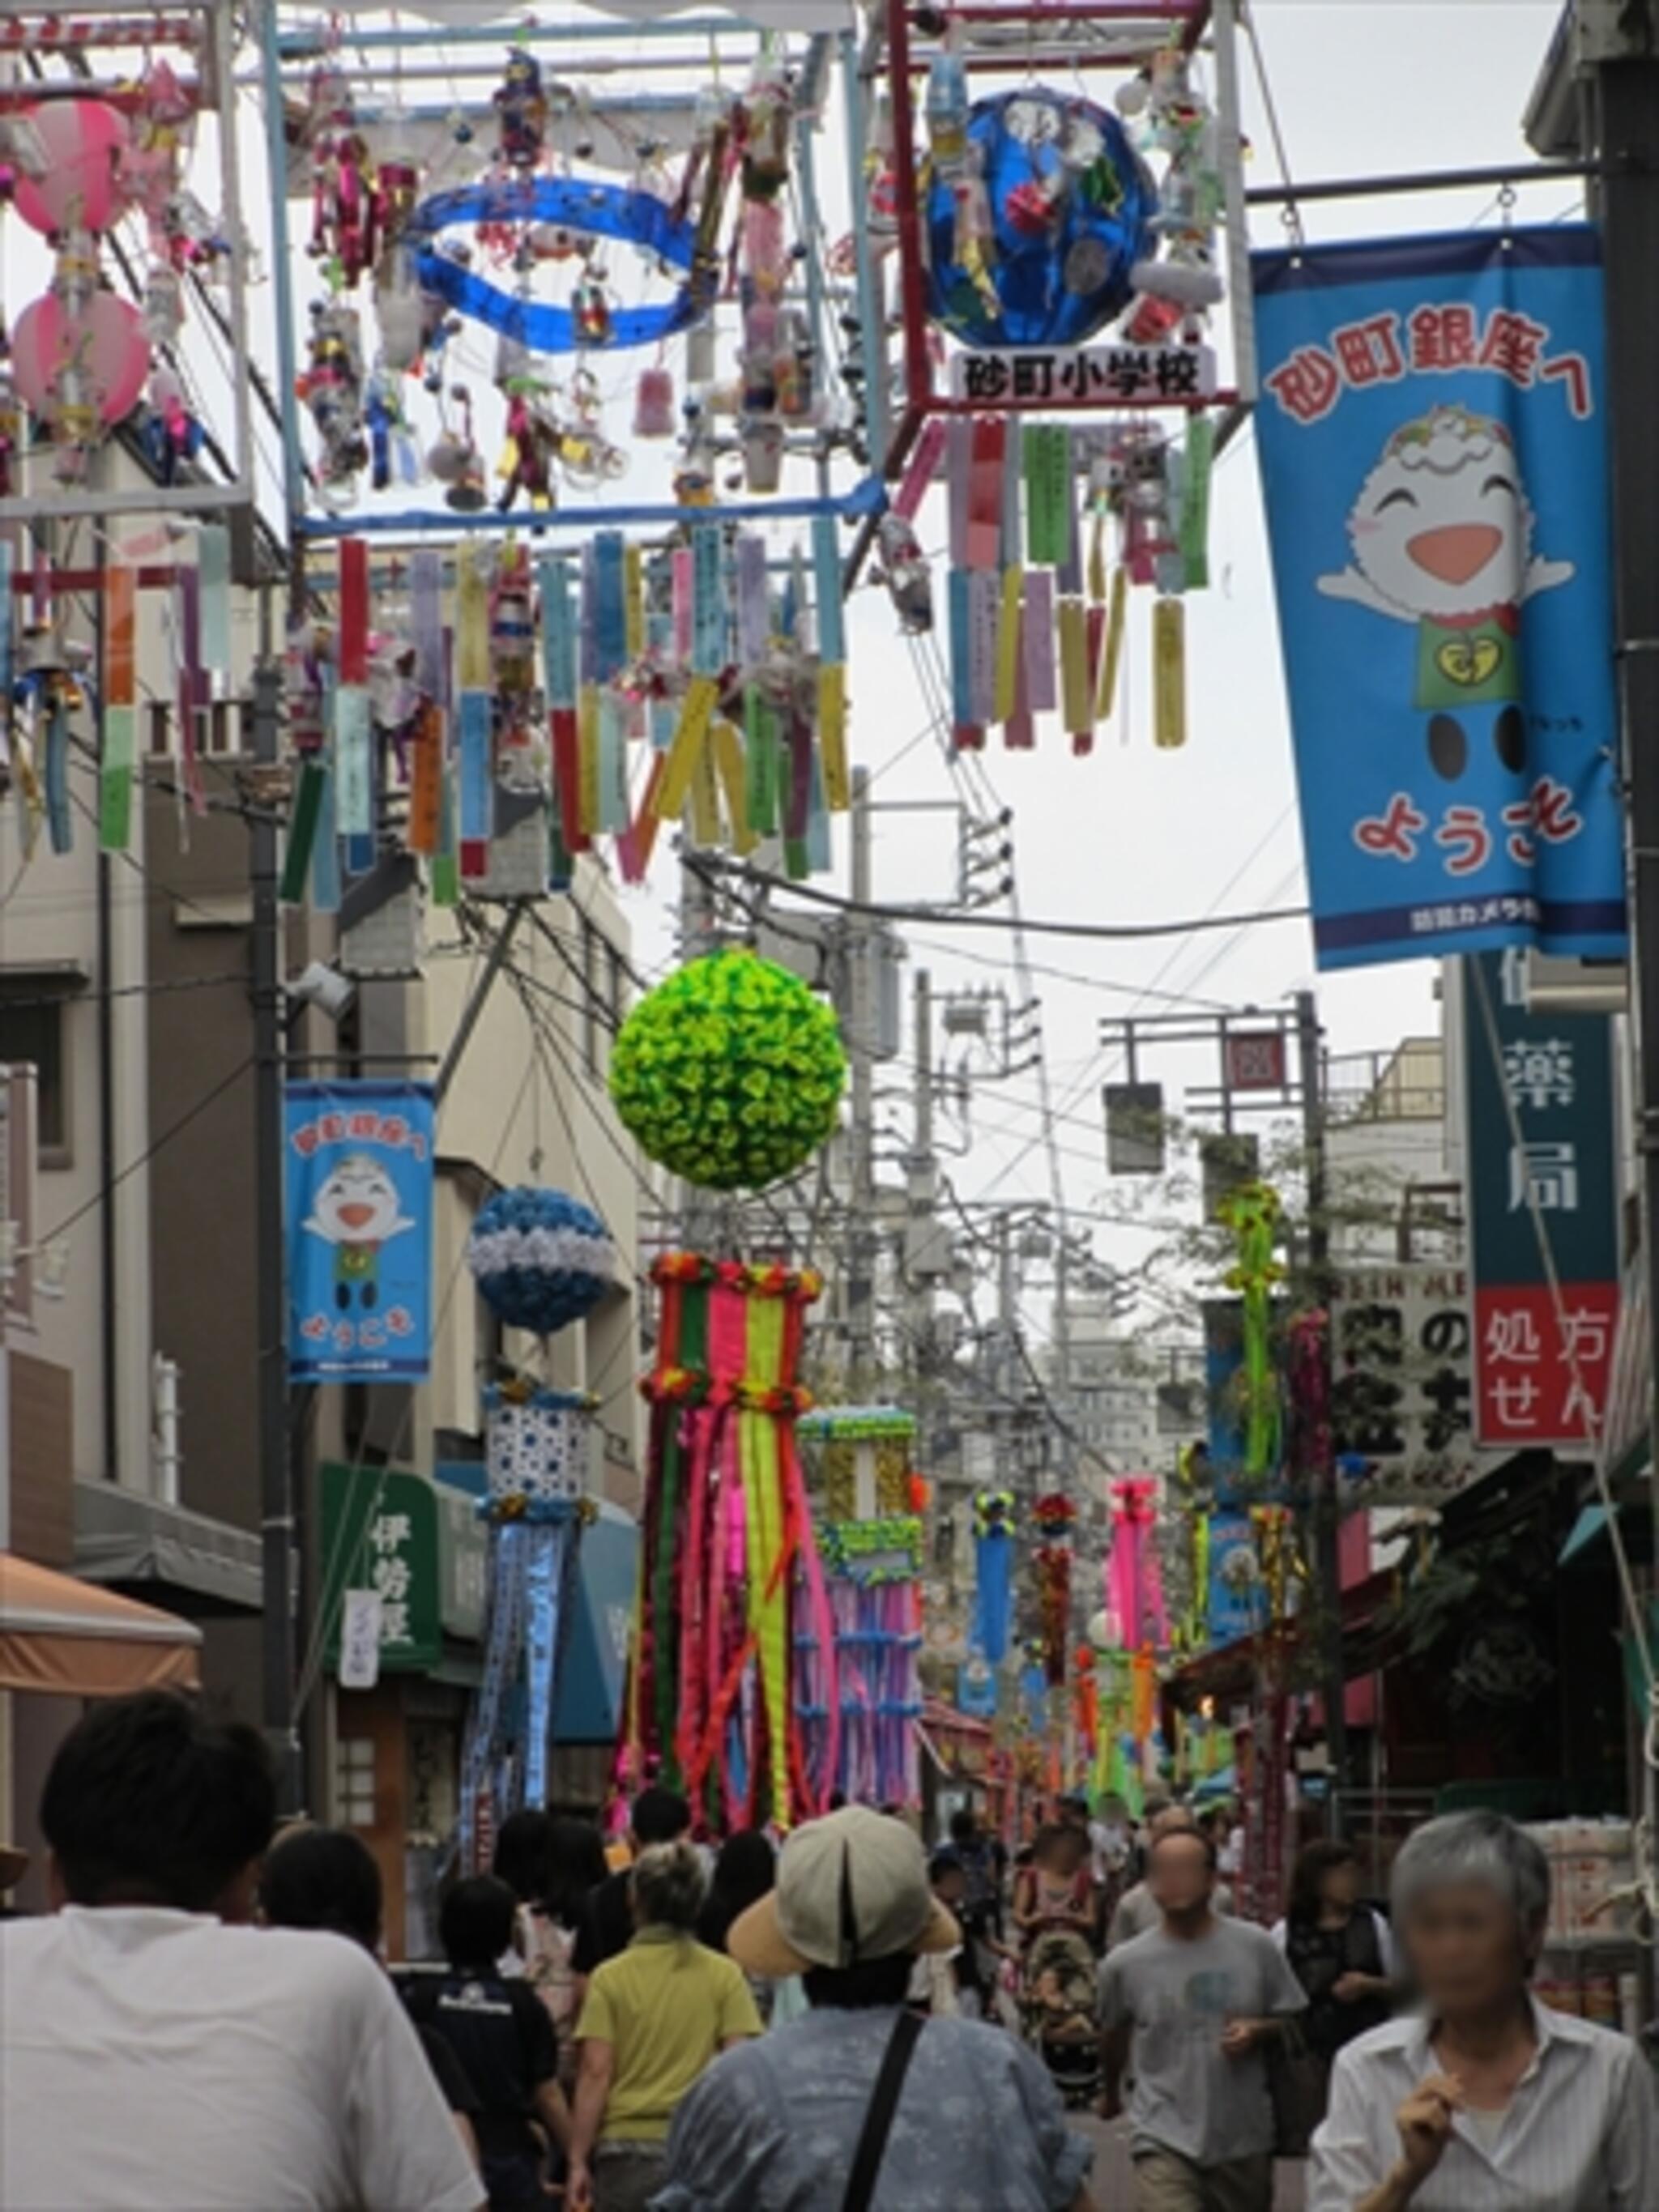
{"x": 653, "y": 2018}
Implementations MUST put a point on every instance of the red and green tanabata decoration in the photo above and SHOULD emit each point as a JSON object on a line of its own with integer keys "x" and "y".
{"x": 727, "y": 1563}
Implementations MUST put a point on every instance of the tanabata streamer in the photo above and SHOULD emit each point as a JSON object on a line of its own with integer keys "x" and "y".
{"x": 993, "y": 1558}
{"x": 1252, "y": 1213}
{"x": 537, "y": 1450}
{"x": 871, "y": 1542}
{"x": 1055, "y": 1513}
{"x": 1135, "y": 1580}
{"x": 728, "y": 1566}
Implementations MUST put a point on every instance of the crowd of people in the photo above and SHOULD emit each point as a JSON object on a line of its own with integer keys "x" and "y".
{"x": 204, "y": 2020}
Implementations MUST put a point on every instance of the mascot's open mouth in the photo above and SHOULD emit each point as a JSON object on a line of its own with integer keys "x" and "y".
{"x": 1456, "y": 552}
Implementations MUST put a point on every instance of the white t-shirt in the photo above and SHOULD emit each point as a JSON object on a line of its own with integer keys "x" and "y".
{"x": 150, "y": 2058}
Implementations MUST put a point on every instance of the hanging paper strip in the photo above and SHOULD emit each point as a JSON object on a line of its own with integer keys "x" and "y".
{"x": 826, "y": 584}
{"x": 473, "y": 571}
{"x": 558, "y": 632}
{"x": 190, "y": 682}
{"x": 422, "y": 831}
{"x": 729, "y": 762}
{"x": 1077, "y": 699}
{"x": 609, "y": 603}
{"x": 1006, "y": 680}
{"x": 1111, "y": 660}
{"x": 354, "y": 791}
{"x": 708, "y": 607}
{"x": 60, "y": 825}
{"x": 635, "y": 849}
{"x": 446, "y": 861}
{"x": 1169, "y": 673}
{"x": 120, "y": 676}
{"x": 985, "y": 491}
{"x": 426, "y": 620}
{"x": 587, "y": 758}
{"x": 634, "y": 601}
{"x": 613, "y": 807}
{"x": 832, "y": 737}
{"x": 984, "y": 604}
{"x": 351, "y": 660}
{"x": 705, "y": 798}
{"x": 1195, "y": 503}
{"x": 213, "y": 566}
{"x": 1038, "y": 641}
{"x": 477, "y": 794}
{"x": 727, "y": 1548}
{"x": 969, "y": 733}
{"x": 1048, "y": 449}
{"x": 690, "y": 738}
{"x": 325, "y": 845}
{"x": 958, "y": 475}
{"x": 302, "y": 832}
{"x": 760, "y": 739}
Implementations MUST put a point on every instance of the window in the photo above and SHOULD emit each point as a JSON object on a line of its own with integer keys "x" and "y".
{"x": 354, "y": 1782}
{"x": 225, "y": 725}
{"x": 32, "y": 1030}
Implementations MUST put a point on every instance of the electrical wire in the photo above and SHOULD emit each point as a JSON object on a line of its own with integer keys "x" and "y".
{"x": 156, "y": 1144}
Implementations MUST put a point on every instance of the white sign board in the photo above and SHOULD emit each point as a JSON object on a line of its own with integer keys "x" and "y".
{"x": 360, "y": 1640}
{"x": 1402, "y": 1382}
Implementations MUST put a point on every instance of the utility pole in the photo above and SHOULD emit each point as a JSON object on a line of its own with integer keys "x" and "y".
{"x": 921, "y": 1197}
{"x": 860, "y": 1052}
{"x": 1322, "y": 1477}
{"x": 276, "y": 1488}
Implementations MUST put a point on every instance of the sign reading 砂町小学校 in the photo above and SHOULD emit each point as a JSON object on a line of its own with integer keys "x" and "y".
{"x": 1108, "y": 375}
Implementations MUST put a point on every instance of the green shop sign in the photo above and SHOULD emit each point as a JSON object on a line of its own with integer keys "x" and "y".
{"x": 380, "y": 1532}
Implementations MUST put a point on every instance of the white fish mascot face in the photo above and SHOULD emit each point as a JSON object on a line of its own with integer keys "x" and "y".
{"x": 1442, "y": 536}
{"x": 356, "y": 1210}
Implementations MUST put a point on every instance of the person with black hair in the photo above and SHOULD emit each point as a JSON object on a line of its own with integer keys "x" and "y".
{"x": 501, "y": 2034}
{"x": 659, "y": 1816}
{"x": 553, "y": 1864}
{"x": 327, "y": 1879}
{"x": 861, "y": 2103}
{"x": 154, "y": 2049}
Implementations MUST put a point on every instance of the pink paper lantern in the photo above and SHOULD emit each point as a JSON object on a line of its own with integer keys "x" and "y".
{"x": 81, "y": 188}
{"x": 107, "y": 342}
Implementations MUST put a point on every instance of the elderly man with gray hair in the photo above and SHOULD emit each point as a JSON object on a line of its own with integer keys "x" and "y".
{"x": 1483, "y": 2099}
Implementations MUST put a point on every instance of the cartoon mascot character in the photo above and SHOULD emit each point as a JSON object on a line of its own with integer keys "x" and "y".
{"x": 355, "y": 1211}
{"x": 1442, "y": 536}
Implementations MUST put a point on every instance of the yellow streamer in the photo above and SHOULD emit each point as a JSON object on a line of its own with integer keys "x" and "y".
{"x": 633, "y": 601}
{"x": 763, "y": 1494}
{"x": 472, "y": 671}
{"x": 1111, "y": 660}
{"x": 690, "y": 738}
{"x": 1170, "y": 673}
{"x": 733, "y": 772}
{"x": 832, "y": 737}
{"x": 1008, "y": 627}
{"x": 705, "y": 800}
{"x": 1098, "y": 563}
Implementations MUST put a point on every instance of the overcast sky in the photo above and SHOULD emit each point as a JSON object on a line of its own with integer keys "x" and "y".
{"x": 1362, "y": 87}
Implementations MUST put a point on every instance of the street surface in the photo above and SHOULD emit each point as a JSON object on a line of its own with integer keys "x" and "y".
{"x": 1111, "y": 2181}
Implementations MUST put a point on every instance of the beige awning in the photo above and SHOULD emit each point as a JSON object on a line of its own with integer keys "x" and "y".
{"x": 72, "y": 1639}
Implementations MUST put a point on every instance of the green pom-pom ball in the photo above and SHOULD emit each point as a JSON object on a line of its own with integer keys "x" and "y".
{"x": 730, "y": 1072}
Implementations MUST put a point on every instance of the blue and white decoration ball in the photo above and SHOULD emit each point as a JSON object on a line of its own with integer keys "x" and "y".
{"x": 541, "y": 1258}
{"x": 1070, "y": 205}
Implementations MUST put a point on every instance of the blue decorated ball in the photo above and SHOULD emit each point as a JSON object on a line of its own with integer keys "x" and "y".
{"x": 1071, "y": 206}
{"x": 541, "y": 1259}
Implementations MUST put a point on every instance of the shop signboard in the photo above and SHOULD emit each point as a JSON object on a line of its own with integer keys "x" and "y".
{"x": 1402, "y": 1380}
{"x": 1542, "y": 1156}
{"x": 380, "y": 1534}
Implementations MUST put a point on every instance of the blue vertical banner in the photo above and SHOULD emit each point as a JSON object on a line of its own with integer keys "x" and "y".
{"x": 1433, "y": 451}
{"x": 358, "y": 1184}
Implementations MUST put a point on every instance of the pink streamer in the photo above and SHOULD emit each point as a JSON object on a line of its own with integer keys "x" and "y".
{"x": 1134, "y": 1581}
{"x": 819, "y": 1616}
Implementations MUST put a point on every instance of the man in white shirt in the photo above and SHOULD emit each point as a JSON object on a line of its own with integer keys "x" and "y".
{"x": 153, "y": 2051}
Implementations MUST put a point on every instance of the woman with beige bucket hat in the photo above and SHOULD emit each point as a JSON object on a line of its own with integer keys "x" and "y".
{"x": 861, "y": 2105}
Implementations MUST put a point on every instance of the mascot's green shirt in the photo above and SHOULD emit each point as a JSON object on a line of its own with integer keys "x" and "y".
{"x": 1473, "y": 664}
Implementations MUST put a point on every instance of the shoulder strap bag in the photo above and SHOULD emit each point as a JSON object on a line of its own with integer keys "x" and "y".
{"x": 883, "y": 2104}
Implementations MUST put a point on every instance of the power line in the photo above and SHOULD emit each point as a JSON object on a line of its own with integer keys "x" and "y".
{"x": 156, "y": 1144}
{"x": 709, "y": 866}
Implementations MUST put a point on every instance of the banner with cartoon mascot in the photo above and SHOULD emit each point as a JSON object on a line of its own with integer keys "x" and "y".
{"x": 1433, "y": 457}
{"x": 359, "y": 1200}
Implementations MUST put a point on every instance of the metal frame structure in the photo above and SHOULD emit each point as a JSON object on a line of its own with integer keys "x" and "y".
{"x": 124, "y": 23}
{"x": 696, "y": 39}
{"x": 1076, "y": 34}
